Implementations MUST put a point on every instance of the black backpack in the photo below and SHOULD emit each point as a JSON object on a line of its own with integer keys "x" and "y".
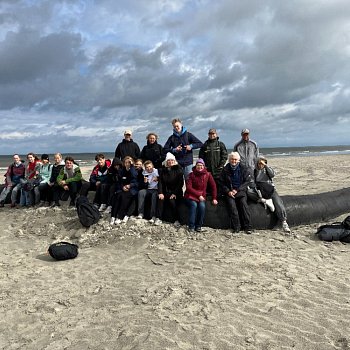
{"x": 88, "y": 214}
{"x": 63, "y": 250}
{"x": 338, "y": 231}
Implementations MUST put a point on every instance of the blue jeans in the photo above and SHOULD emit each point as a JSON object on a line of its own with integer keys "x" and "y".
{"x": 196, "y": 213}
{"x": 187, "y": 170}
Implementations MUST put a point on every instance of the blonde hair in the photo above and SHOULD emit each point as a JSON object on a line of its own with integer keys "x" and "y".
{"x": 176, "y": 120}
{"x": 234, "y": 155}
{"x": 128, "y": 158}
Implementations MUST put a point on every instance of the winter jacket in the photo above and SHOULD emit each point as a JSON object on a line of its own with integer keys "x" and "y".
{"x": 152, "y": 183}
{"x": 171, "y": 181}
{"x": 264, "y": 175}
{"x": 196, "y": 185}
{"x": 184, "y": 157}
{"x": 100, "y": 174}
{"x": 15, "y": 172}
{"x": 31, "y": 169}
{"x": 249, "y": 152}
{"x": 214, "y": 154}
{"x": 154, "y": 153}
{"x": 129, "y": 177}
{"x": 225, "y": 180}
{"x": 56, "y": 169}
{"x": 65, "y": 175}
{"x": 127, "y": 148}
{"x": 45, "y": 171}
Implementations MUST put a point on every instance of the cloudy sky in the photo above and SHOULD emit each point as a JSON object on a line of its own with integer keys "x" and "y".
{"x": 75, "y": 74}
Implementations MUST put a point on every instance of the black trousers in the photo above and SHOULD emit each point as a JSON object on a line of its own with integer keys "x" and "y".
{"x": 238, "y": 208}
{"x": 121, "y": 204}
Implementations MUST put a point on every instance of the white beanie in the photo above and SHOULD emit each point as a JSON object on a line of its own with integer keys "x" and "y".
{"x": 169, "y": 156}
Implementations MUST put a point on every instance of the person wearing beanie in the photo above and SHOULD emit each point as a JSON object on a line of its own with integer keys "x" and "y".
{"x": 214, "y": 153}
{"x": 247, "y": 149}
{"x": 196, "y": 190}
{"x": 181, "y": 144}
{"x": 170, "y": 185}
{"x": 265, "y": 192}
{"x": 234, "y": 181}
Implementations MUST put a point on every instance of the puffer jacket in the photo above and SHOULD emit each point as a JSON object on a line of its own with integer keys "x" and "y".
{"x": 171, "y": 181}
{"x": 99, "y": 174}
{"x": 154, "y": 153}
{"x": 197, "y": 183}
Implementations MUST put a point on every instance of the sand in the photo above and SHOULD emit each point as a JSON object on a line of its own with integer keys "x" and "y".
{"x": 143, "y": 287}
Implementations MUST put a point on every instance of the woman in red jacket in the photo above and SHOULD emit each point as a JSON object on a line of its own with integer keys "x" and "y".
{"x": 195, "y": 195}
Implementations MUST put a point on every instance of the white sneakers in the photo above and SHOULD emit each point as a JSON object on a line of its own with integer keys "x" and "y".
{"x": 125, "y": 220}
{"x": 157, "y": 222}
{"x": 152, "y": 220}
{"x": 177, "y": 224}
{"x": 268, "y": 203}
{"x": 115, "y": 221}
{"x": 112, "y": 222}
{"x": 102, "y": 207}
{"x": 285, "y": 227}
{"x": 108, "y": 209}
{"x": 140, "y": 216}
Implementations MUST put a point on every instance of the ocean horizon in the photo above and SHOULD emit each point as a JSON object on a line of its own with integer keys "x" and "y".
{"x": 88, "y": 158}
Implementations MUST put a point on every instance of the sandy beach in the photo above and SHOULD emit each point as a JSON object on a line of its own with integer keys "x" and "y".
{"x": 138, "y": 286}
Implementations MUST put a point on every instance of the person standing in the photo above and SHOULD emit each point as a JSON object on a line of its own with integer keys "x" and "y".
{"x": 182, "y": 143}
{"x": 14, "y": 174}
{"x": 127, "y": 148}
{"x": 214, "y": 154}
{"x": 234, "y": 181}
{"x": 153, "y": 151}
{"x": 247, "y": 149}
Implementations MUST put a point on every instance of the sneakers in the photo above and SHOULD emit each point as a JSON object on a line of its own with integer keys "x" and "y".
{"x": 125, "y": 220}
{"x": 248, "y": 231}
{"x": 177, "y": 224}
{"x": 285, "y": 227}
{"x": 236, "y": 230}
{"x": 108, "y": 209}
{"x": 190, "y": 230}
{"x": 157, "y": 222}
{"x": 200, "y": 229}
{"x": 140, "y": 216}
{"x": 152, "y": 220}
{"x": 117, "y": 222}
{"x": 112, "y": 222}
{"x": 102, "y": 207}
{"x": 96, "y": 205}
{"x": 269, "y": 204}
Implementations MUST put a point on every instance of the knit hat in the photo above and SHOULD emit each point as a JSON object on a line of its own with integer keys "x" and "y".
{"x": 169, "y": 156}
{"x": 200, "y": 161}
{"x": 45, "y": 156}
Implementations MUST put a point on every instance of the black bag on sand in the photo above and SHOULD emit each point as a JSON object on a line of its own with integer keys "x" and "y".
{"x": 334, "y": 232}
{"x": 88, "y": 214}
{"x": 63, "y": 250}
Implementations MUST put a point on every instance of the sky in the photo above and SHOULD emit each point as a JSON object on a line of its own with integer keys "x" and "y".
{"x": 75, "y": 74}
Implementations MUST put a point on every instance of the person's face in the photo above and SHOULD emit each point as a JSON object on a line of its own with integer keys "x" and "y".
{"x": 177, "y": 127}
{"x": 16, "y": 158}
{"x": 30, "y": 158}
{"x": 212, "y": 135}
{"x": 234, "y": 160}
{"x": 152, "y": 139}
{"x": 101, "y": 162}
{"x": 127, "y": 137}
{"x": 138, "y": 165}
{"x": 57, "y": 159}
{"x": 44, "y": 161}
{"x": 149, "y": 168}
{"x": 245, "y": 137}
{"x": 261, "y": 164}
{"x": 170, "y": 162}
{"x": 127, "y": 163}
{"x": 69, "y": 164}
{"x": 199, "y": 167}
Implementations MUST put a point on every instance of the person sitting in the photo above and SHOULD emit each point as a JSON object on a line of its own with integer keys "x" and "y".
{"x": 152, "y": 151}
{"x": 27, "y": 188}
{"x": 42, "y": 192}
{"x": 127, "y": 147}
{"x": 196, "y": 189}
{"x": 56, "y": 169}
{"x": 170, "y": 188}
{"x": 113, "y": 174}
{"x": 234, "y": 181}
{"x": 182, "y": 143}
{"x": 265, "y": 191}
{"x": 99, "y": 182}
{"x": 125, "y": 194}
{"x": 14, "y": 174}
{"x": 150, "y": 188}
{"x": 69, "y": 181}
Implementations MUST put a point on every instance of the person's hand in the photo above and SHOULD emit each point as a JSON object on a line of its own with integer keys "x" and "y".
{"x": 173, "y": 196}
{"x": 66, "y": 188}
{"x": 161, "y": 196}
{"x": 215, "y": 202}
{"x": 98, "y": 183}
{"x": 178, "y": 148}
{"x": 201, "y": 199}
{"x": 188, "y": 147}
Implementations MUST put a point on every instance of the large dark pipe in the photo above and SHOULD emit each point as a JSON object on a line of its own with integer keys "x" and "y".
{"x": 301, "y": 210}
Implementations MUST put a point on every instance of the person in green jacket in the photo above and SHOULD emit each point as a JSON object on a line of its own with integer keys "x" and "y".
{"x": 69, "y": 181}
{"x": 214, "y": 154}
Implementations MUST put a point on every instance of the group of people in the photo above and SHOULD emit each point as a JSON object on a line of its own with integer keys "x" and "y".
{"x": 168, "y": 175}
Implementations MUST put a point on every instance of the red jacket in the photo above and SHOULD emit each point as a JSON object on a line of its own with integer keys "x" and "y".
{"x": 197, "y": 183}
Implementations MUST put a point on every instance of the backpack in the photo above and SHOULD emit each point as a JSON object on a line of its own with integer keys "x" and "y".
{"x": 88, "y": 214}
{"x": 63, "y": 250}
{"x": 338, "y": 231}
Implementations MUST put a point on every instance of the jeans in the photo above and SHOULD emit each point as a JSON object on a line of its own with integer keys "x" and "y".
{"x": 187, "y": 170}
{"x": 142, "y": 197}
{"x": 196, "y": 213}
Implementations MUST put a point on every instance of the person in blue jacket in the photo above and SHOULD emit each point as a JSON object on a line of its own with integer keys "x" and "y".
{"x": 182, "y": 143}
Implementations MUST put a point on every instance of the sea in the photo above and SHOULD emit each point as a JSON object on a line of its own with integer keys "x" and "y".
{"x": 88, "y": 159}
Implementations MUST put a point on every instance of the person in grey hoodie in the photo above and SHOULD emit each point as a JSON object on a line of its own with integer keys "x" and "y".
{"x": 247, "y": 149}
